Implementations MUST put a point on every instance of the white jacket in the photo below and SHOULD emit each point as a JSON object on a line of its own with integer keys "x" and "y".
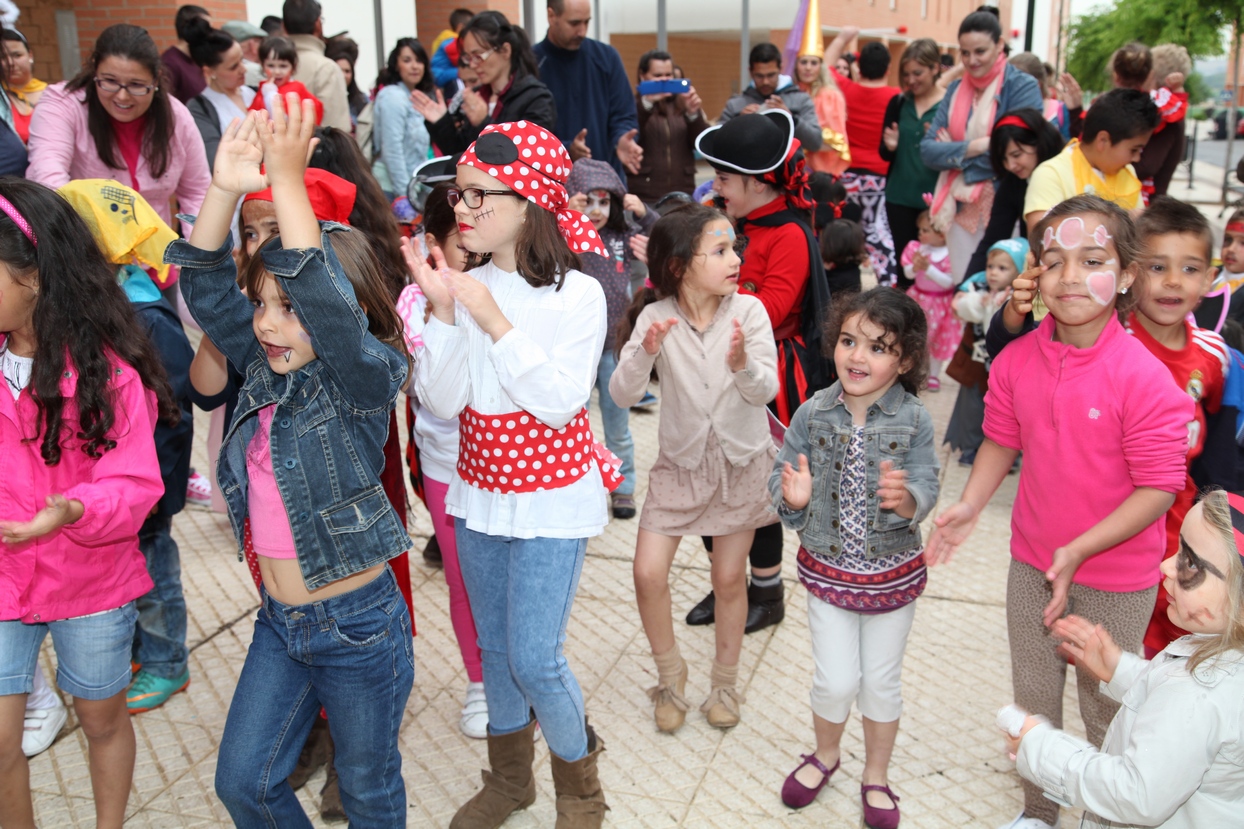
{"x": 1173, "y": 756}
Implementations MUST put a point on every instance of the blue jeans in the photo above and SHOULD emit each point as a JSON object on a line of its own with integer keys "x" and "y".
{"x": 617, "y": 424}
{"x": 352, "y": 654}
{"x": 160, "y": 638}
{"x": 521, "y": 592}
{"x": 92, "y": 653}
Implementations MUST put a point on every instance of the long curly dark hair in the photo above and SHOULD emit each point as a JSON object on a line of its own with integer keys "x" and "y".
{"x": 391, "y": 75}
{"x": 135, "y": 44}
{"x": 902, "y": 320}
{"x": 81, "y": 319}
{"x": 339, "y": 154}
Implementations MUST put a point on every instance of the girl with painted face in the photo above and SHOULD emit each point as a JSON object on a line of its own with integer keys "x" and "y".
{"x": 1171, "y": 755}
{"x": 1104, "y": 450}
{"x": 511, "y": 350}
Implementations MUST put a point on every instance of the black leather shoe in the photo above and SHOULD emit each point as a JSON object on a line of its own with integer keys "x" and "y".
{"x": 766, "y": 606}
{"x": 705, "y": 612}
{"x": 432, "y": 553}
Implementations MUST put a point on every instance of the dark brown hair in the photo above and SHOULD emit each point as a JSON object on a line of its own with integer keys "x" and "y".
{"x": 1133, "y": 64}
{"x": 1116, "y": 220}
{"x": 842, "y": 243}
{"x": 130, "y": 43}
{"x": 672, "y": 245}
{"x": 1166, "y": 215}
{"x": 340, "y": 155}
{"x": 81, "y": 319}
{"x": 902, "y": 320}
{"x": 359, "y": 264}
{"x": 541, "y": 253}
{"x": 278, "y": 48}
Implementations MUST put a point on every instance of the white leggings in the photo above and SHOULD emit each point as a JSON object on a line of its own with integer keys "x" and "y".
{"x": 858, "y": 656}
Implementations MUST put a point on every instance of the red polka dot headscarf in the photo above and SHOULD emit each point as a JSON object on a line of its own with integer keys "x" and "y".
{"x": 531, "y": 161}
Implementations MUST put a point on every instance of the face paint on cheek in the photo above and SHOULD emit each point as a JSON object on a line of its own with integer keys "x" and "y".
{"x": 1048, "y": 239}
{"x": 1101, "y": 236}
{"x": 302, "y": 335}
{"x": 287, "y": 353}
{"x": 1101, "y": 286}
{"x": 483, "y": 214}
{"x": 1070, "y": 233}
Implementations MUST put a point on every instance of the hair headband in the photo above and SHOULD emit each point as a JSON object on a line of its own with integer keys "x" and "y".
{"x": 1235, "y": 227}
{"x": 1012, "y": 121}
{"x": 1236, "y": 505}
{"x": 19, "y": 220}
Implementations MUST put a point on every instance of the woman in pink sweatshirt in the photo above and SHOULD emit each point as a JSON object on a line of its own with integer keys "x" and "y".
{"x": 1104, "y": 451}
{"x": 83, "y": 389}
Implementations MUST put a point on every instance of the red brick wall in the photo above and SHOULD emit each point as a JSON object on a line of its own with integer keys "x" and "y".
{"x": 432, "y": 16}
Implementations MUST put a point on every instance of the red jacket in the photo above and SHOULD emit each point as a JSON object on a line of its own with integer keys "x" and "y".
{"x": 93, "y": 564}
{"x": 267, "y": 91}
{"x": 775, "y": 269}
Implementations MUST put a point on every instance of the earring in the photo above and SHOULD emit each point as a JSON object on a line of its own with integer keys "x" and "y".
{"x": 1124, "y": 291}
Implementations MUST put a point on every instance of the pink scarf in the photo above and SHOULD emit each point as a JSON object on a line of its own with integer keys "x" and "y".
{"x": 957, "y": 126}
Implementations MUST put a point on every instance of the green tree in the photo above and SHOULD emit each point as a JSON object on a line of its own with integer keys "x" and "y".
{"x": 1195, "y": 24}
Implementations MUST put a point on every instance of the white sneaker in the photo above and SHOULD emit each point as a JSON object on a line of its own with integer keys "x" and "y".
{"x": 1022, "y": 822}
{"x": 42, "y": 726}
{"x": 198, "y": 490}
{"x": 474, "y": 722}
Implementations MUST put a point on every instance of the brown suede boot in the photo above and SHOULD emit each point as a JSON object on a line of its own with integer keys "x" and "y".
{"x": 508, "y": 786}
{"x": 670, "y": 704}
{"x": 316, "y": 752}
{"x": 580, "y": 800}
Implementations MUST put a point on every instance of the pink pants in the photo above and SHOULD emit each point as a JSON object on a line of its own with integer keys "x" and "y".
{"x": 459, "y": 604}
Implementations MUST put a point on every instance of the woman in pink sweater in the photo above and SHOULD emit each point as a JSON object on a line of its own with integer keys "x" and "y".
{"x": 115, "y": 121}
{"x": 1104, "y": 452}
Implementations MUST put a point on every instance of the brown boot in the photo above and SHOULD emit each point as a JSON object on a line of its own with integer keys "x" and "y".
{"x": 580, "y": 800}
{"x": 331, "y": 809}
{"x": 508, "y": 786}
{"x": 316, "y": 752}
{"x": 670, "y": 704}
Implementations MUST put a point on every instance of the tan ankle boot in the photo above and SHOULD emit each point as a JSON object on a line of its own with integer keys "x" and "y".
{"x": 580, "y": 800}
{"x": 722, "y": 705}
{"x": 671, "y": 705}
{"x": 508, "y": 786}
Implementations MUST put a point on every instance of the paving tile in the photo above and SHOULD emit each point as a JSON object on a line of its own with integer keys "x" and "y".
{"x": 948, "y": 763}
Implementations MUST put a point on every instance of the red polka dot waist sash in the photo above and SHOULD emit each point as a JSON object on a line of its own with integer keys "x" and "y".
{"x": 515, "y": 452}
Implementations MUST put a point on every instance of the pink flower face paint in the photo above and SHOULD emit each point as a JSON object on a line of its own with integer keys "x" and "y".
{"x": 1101, "y": 236}
{"x": 1101, "y": 286}
{"x": 1070, "y": 233}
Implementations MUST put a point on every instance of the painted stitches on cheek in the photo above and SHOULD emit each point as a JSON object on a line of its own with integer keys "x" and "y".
{"x": 483, "y": 214}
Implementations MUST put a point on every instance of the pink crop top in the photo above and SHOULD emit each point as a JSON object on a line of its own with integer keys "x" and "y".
{"x": 270, "y": 532}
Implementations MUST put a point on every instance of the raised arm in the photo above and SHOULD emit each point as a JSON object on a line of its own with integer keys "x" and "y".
{"x": 839, "y": 45}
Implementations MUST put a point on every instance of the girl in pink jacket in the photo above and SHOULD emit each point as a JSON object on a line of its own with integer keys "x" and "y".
{"x": 83, "y": 389}
{"x": 1104, "y": 452}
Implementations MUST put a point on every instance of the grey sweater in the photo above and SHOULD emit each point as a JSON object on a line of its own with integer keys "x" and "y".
{"x": 807, "y": 126}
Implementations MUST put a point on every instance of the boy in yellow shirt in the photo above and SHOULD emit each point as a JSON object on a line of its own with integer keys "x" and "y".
{"x": 1116, "y": 128}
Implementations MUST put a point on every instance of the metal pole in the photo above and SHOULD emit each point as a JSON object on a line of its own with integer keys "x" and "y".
{"x": 745, "y": 46}
{"x": 529, "y": 18}
{"x": 1028, "y": 24}
{"x": 1058, "y": 37}
{"x": 595, "y": 19}
{"x": 1233, "y": 112}
{"x": 663, "y": 35}
{"x": 378, "y": 14}
{"x": 1196, "y": 125}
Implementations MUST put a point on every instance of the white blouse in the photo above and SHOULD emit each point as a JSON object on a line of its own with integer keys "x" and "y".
{"x": 545, "y": 366}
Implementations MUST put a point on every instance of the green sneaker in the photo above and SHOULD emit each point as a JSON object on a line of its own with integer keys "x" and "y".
{"x": 147, "y": 692}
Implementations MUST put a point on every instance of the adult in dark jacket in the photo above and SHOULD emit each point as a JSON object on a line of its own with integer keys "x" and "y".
{"x": 510, "y": 88}
{"x": 768, "y": 91}
{"x": 668, "y": 127}
{"x": 1020, "y": 140}
{"x": 595, "y": 111}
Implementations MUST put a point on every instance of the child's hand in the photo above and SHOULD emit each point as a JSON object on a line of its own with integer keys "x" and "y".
{"x": 1174, "y": 82}
{"x": 577, "y": 202}
{"x": 287, "y": 139}
{"x": 1023, "y": 292}
{"x": 477, "y": 299}
{"x": 632, "y": 203}
{"x": 920, "y": 262}
{"x": 1061, "y": 572}
{"x": 1089, "y": 645}
{"x": 430, "y": 280}
{"x": 1012, "y": 743}
{"x": 238, "y": 158}
{"x": 639, "y": 247}
{"x": 892, "y": 487}
{"x": 953, "y": 528}
{"x": 1070, "y": 93}
{"x": 736, "y": 357}
{"x": 797, "y": 484}
{"x": 58, "y": 512}
{"x": 656, "y": 335}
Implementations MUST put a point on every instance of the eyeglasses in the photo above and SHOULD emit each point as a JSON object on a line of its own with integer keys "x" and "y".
{"x": 474, "y": 196}
{"x": 473, "y": 59}
{"x": 136, "y": 89}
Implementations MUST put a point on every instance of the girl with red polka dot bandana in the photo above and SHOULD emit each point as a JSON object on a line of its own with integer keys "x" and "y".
{"x": 511, "y": 351}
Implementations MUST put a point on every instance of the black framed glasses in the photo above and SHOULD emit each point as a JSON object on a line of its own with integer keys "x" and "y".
{"x": 136, "y": 89}
{"x": 474, "y": 196}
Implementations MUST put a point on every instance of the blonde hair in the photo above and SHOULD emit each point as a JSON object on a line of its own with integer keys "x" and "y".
{"x": 1218, "y": 515}
{"x": 1168, "y": 58}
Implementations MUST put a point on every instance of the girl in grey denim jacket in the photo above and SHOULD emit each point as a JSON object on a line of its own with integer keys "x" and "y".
{"x": 856, "y": 475}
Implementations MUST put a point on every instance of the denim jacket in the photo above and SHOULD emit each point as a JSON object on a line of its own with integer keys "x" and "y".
{"x": 1018, "y": 90}
{"x": 332, "y": 415}
{"x": 897, "y": 429}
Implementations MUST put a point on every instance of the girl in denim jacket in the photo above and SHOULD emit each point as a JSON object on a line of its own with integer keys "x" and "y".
{"x": 857, "y": 508}
{"x": 322, "y": 348}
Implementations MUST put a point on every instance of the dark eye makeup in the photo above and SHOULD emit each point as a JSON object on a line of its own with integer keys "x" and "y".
{"x": 1190, "y": 569}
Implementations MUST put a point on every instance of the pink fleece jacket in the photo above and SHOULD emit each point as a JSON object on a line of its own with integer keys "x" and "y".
{"x": 1093, "y": 425}
{"x": 62, "y": 150}
{"x": 93, "y": 564}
